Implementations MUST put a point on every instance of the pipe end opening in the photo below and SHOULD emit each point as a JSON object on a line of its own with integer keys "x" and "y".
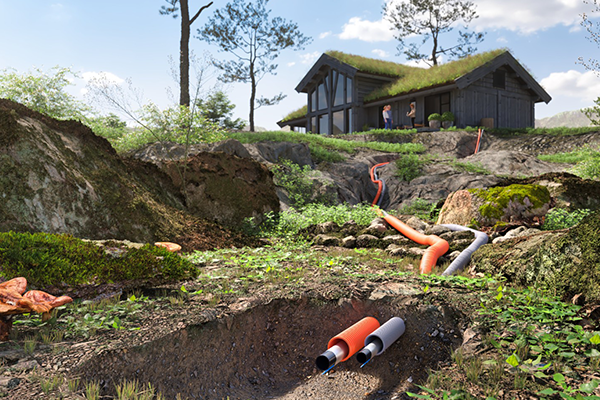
{"x": 363, "y": 356}
{"x": 326, "y": 360}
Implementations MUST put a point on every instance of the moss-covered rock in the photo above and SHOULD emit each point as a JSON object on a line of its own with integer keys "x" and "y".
{"x": 495, "y": 206}
{"x": 565, "y": 262}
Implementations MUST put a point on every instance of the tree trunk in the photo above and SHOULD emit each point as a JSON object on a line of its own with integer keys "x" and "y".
{"x": 252, "y": 96}
{"x": 184, "y": 55}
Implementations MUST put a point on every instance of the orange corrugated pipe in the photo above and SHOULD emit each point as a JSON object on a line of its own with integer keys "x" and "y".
{"x": 377, "y": 181}
{"x": 345, "y": 344}
{"x": 437, "y": 246}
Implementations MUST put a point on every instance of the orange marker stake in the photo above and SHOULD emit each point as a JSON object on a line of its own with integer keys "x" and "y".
{"x": 344, "y": 345}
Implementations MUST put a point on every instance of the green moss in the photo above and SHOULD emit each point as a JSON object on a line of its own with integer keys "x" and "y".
{"x": 498, "y": 200}
{"x": 46, "y": 259}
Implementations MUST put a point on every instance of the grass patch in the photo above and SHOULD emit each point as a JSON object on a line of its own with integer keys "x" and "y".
{"x": 301, "y": 112}
{"x": 409, "y": 167}
{"x": 560, "y": 131}
{"x": 290, "y": 222}
{"x": 469, "y": 167}
{"x": 324, "y": 148}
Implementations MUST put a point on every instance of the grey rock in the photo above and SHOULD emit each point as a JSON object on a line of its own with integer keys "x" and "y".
{"x": 25, "y": 365}
{"x": 325, "y": 240}
{"x": 417, "y": 224}
{"x": 397, "y": 239}
{"x": 366, "y": 240}
{"x": 457, "y": 235}
{"x": 349, "y": 242}
{"x": 436, "y": 230}
{"x": 327, "y": 227}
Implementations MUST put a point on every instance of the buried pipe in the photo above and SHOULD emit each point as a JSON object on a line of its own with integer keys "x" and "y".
{"x": 378, "y": 341}
{"x": 437, "y": 246}
{"x": 345, "y": 344}
{"x": 465, "y": 256}
{"x": 380, "y": 183}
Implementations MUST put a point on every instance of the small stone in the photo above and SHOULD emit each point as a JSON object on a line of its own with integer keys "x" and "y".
{"x": 366, "y": 241}
{"x": 417, "y": 224}
{"x": 349, "y": 242}
{"x": 435, "y": 333}
{"x": 325, "y": 240}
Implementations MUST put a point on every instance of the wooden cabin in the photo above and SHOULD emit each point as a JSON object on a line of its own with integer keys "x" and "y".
{"x": 346, "y": 93}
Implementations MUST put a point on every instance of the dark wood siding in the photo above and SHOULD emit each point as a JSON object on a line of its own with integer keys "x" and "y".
{"x": 511, "y": 107}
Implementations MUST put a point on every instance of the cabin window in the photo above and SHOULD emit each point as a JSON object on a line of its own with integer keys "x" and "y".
{"x": 324, "y": 124}
{"x": 322, "y": 104}
{"x": 349, "y": 120}
{"x": 313, "y": 124}
{"x": 500, "y": 79}
{"x": 348, "y": 90}
{"x": 338, "y": 81}
{"x": 313, "y": 100}
{"x": 338, "y": 122}
{"x": 444, "y": 102}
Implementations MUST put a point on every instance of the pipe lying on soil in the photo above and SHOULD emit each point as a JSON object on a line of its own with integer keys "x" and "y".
{"x": 345, "y": 344}
{"x": 437, "y": 246}
{"x": 378, "y": 341}
{"x": 465, "y": 256}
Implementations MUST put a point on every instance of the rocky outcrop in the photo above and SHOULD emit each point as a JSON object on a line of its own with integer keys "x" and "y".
{"x": 512, "y": 163}
{"x": 567, "y": 262}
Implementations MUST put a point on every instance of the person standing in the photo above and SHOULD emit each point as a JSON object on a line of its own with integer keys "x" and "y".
{"x": 411, "y": 114}
{"x": 387, "y": 116}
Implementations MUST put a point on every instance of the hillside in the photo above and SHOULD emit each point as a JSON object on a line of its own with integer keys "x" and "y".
{"x": 570, "y": 119}
{"x": 251, "y": 321}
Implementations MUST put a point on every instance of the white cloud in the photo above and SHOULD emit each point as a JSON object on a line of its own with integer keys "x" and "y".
{"x": 380, "y": 53}
{"x": 502, "y": 39}
{"x": 528, "y": 16}
{"x": 368, "y": 31}
{"x": 105, "y": 77}
{"x": 291, "y": 64}
{"x": 324, "y": 35}
{"x": 581, "y": 86}
{"x": 310, "y": 58}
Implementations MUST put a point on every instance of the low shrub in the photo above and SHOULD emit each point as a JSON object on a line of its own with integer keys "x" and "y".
{"x": 297, "y": 182}
{"x": 434, "y": 117}
{"x": 48, "y": 259}
{"x": 447, "y": 116}
{"x": 559, "y": 218}
{"x": 410, "y": 166}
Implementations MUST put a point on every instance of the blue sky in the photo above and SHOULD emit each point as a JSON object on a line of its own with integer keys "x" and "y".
{"x": 129, "y": 39}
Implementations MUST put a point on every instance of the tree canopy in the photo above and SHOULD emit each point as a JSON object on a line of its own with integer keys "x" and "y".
{"x": 218, "y": 109}
{"x": 429, "y": 19}
{"x": 244, "y": 30}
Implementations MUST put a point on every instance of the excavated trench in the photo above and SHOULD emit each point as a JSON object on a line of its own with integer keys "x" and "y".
{"x": 269, "y": 351}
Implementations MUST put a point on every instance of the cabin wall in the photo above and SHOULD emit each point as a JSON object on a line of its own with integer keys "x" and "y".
{"x": 511, "y": 107}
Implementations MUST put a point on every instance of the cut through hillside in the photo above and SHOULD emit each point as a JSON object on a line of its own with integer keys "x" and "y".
{"x": 269, "y": 351}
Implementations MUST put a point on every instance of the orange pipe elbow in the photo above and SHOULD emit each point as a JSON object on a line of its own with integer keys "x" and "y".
{"x": 354, "y": 337}
{"x": 438, "y": 246}
{"x": 377, "y": 181}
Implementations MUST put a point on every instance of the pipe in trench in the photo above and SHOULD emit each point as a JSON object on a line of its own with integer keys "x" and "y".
{"x": 380, "y": 183}
{"x": 345, "y": 344}
{"x": 465, "y": 256}
{"x": 378, "y": 341}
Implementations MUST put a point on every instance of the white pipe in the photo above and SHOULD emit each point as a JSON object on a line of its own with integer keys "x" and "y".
{"x": 465, "y": 256}
{"x": 378, "y": 341}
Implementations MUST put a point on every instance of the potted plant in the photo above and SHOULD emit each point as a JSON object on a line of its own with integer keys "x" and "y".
{"x": 435, "y": 121}
{"x": 447, "y": 119}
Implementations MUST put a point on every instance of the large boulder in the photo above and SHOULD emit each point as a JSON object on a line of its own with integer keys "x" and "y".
{"x": 513, "y": 163}
{"x": 497, "y": 205}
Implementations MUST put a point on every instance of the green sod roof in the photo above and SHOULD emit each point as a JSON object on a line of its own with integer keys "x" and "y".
{"x": 299, "y": 113}
{"x": 423, "y": 78}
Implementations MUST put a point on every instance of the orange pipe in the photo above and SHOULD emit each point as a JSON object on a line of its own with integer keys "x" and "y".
{"x": 377, "y": 181}
{"x": 354, "y": 337}
{"x": 437, "y": 246}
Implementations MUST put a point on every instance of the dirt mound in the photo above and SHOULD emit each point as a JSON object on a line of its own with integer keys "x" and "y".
{"x": 59, "y": 177}
{"x": 270, "y": 350}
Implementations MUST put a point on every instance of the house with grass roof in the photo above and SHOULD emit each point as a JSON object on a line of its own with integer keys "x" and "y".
{"x": 346, "y": 93}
